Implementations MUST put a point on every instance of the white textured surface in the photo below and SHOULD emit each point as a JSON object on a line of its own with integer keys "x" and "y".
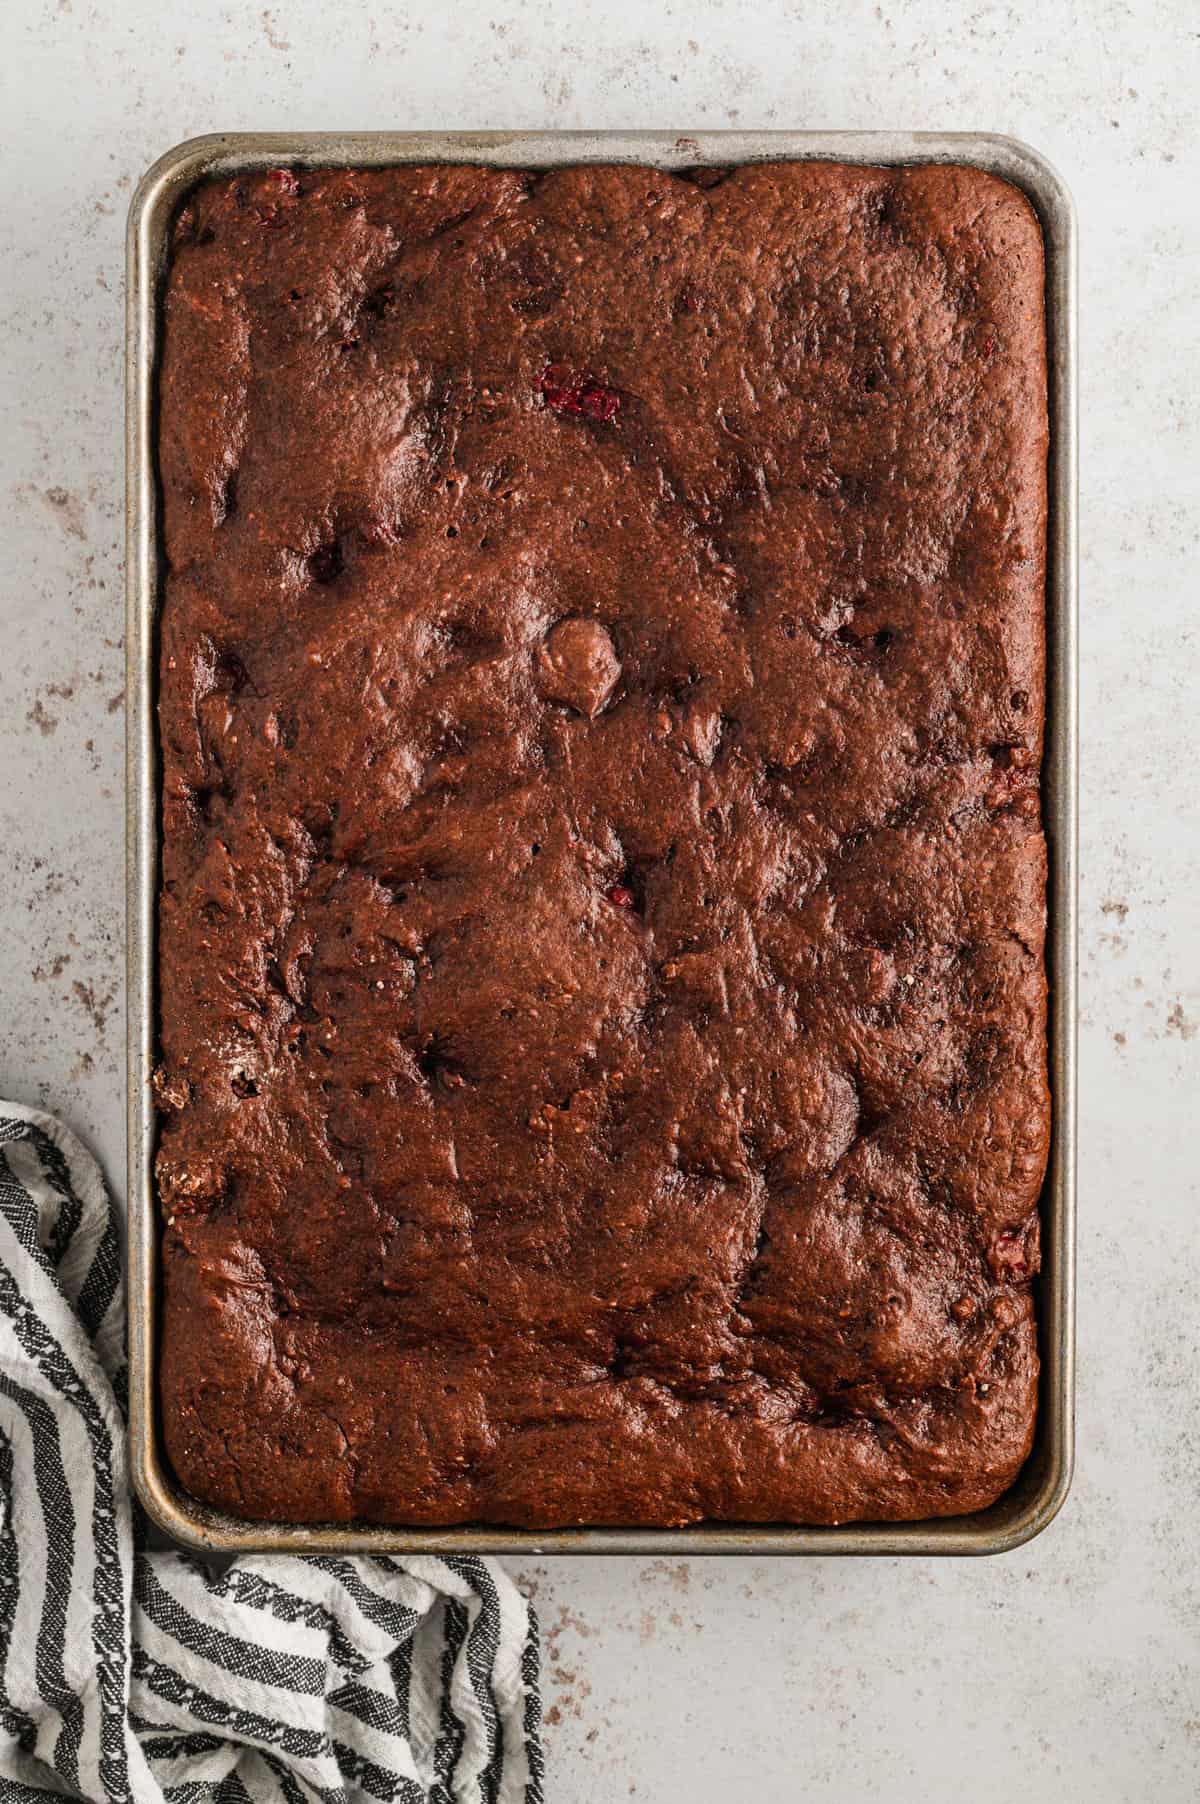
{"x": 1071, "y": 1669}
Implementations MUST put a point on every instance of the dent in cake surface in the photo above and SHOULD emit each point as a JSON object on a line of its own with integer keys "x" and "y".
{"x": 603, "y": 1059}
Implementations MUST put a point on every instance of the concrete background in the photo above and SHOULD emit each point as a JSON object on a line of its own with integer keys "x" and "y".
{"x": 1068, "y": 1670}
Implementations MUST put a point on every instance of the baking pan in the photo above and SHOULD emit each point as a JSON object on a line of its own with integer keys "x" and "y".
{"x": 1039, "y": 1491}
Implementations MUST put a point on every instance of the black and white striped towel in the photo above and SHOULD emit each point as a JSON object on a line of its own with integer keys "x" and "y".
{"x": 134, "y": 1676}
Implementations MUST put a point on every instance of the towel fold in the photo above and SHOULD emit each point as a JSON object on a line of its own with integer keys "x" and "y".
{"x": 134, "y": 1675}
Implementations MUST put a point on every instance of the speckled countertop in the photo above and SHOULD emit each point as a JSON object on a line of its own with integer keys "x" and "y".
{"x": 1070, "y": 1669}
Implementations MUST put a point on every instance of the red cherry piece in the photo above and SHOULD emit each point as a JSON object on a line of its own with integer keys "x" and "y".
{"x": 1013, "y": 1257}
{"x": 284, "y": 180}
{"x": 578, "y": 392}
{"x": 620, "y": 895}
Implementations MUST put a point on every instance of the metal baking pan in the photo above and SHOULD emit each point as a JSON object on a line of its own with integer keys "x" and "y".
{"x": 1039, "y": 1491}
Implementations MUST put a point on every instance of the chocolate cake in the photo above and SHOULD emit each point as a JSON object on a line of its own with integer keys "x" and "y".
{"x": 602, "y": 999}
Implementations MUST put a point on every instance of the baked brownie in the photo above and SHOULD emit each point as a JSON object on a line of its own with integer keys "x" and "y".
{"x": 601, "y": 932}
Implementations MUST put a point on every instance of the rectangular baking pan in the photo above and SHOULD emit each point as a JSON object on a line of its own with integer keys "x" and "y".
{"x": 1042, "y": 1486}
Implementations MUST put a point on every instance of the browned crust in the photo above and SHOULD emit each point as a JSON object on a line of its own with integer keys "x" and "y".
{"x": 603, "y": 1075}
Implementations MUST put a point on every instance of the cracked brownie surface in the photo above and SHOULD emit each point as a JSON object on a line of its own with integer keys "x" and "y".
{"x": 603, "y": 1051}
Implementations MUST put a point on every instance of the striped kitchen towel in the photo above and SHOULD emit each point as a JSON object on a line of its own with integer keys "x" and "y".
{"x": 131, "y": 1675}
